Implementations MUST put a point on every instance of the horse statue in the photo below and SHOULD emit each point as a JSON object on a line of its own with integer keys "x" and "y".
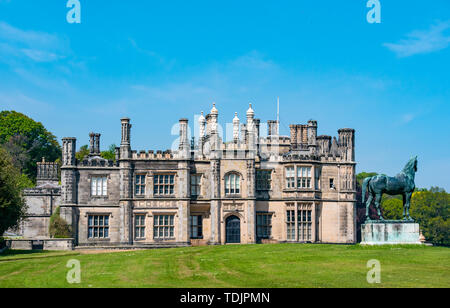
{"x": 401, "y": 184}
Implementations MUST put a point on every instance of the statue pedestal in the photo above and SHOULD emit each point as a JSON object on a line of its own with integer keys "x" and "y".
{"x": 390, "y": 233}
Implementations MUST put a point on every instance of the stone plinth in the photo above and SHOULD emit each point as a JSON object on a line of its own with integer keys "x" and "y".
{"x": 390, "y": 233}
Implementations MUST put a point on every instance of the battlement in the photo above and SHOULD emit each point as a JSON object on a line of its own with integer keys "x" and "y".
{"x": 152, "y": 155}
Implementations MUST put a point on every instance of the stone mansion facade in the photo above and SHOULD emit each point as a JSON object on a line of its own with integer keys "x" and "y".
{"x": 298, "y": 188}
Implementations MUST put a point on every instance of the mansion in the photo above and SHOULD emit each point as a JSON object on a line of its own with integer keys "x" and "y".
{"x": 299, "y": 188}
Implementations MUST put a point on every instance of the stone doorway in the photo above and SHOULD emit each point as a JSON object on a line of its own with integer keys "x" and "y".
{"x": 233, "y": 230}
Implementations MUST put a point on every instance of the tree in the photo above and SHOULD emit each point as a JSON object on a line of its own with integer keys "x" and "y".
{"x": 110, "y": 154}
{"x": 82, "y": 153}
{"x": 27, "y": 141}
{"x": 12, "y": 204}
{"x": 392, "y": 209}
{"x": 361, "y": 176}
{"x": 431, "y": 209}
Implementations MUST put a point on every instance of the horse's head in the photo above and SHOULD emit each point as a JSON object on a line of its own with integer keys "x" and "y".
{"x": 411, "y": 166}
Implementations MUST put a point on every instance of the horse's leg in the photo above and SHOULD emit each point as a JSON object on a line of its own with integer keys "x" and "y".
{"x": 368, "y": 202}
{"x": 404, "y": 206}
{"x": 407, "y": 205}
{"x": 377, "y": 204}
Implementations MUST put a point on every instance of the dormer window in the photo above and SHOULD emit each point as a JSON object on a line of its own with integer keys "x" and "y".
{"x": 232, "y": 184}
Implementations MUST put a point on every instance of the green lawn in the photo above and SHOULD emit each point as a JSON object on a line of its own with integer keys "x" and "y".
{"x": 259, "y": 266}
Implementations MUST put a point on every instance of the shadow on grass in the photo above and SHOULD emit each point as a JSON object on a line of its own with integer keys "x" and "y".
{"x": 11, "y": 255}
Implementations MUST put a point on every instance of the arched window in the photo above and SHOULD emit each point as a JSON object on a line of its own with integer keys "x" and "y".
{"x": 232, "y": 184}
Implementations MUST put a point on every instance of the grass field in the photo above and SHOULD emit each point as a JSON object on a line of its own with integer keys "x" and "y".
{"x": 259, "y": 266}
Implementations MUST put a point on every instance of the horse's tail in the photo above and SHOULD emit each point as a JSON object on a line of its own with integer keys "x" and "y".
{"x": 364, "y": 188}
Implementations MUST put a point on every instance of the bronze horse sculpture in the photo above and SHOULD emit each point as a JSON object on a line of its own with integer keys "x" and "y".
{"x": 401, "y": 184}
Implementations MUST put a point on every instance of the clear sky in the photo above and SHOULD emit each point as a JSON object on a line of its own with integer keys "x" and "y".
{"x": 158, "y": 61}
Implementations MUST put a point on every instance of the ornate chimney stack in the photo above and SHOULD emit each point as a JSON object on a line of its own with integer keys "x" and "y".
{"x": 69, "y": 150}
{"x": 94, "y": 145}
{"x": 251, "y": 127}
{"x": 201, "y": 125}
{"x": 236, "y": 128}
{"x": 125, "y": 145}
{"x": 312, "y": 136}
{"x": 347, "y": 143}
{"x": 272, "y": 128}
{"x": 184, "y": 146}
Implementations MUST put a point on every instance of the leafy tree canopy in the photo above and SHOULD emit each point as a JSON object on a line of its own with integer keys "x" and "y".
{"x": 27, "y": 141}
{"x": 12, "y": 204}
{"x": 82, "y": 152}
{"x": 110, "y": 154}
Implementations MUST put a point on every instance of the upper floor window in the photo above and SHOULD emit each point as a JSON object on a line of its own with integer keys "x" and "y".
{"x": 300, "y": 179}
{"x": 140, "y": 185}
{"x": 99, "y": 186}
{"x": 332, "y": 183}
{"x": 304, "y": 177}
{"x": 163, "y": 184}
{"x": 290, "y": 177}
{"x": 263, "y": 178}
{"x": 232, "y": 184}
{"x": 195, "y": 184}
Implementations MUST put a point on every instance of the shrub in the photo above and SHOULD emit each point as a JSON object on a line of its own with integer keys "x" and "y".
{"x": 58, "y": 227}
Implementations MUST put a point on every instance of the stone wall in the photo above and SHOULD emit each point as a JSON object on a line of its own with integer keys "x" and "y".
{"x": 44, "y": 244}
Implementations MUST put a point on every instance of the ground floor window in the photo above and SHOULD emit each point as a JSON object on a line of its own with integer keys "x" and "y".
{"x": 163, "y": 227}
{"x": 98, "y": 226}
{"x": 304, "y": 225}
{"x": 299, "y": 223}
{"x": 196, "y": 225}
{"x": 290, "y": 222}
{"x": 263, "y": 225}
{"x": 139, "y": 226}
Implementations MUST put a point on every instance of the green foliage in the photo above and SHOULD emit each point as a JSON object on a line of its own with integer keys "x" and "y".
{"x": 82, "y": 153}
{"x": 361, "y": 176}
{"x": 392, "y": 209}
{"x": 58, "y": 227}
{"x": 431, "y": 208}
{"x": 12, "y": 203}
{"x": 110, "y": 154}
{"x": 27, "y": 141}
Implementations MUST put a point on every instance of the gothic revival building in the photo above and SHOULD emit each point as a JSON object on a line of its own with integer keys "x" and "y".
{"x": 297, "y": 188}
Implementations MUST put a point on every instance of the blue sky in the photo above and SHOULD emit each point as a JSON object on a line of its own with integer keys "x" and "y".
{"x": 158, "y": 61}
